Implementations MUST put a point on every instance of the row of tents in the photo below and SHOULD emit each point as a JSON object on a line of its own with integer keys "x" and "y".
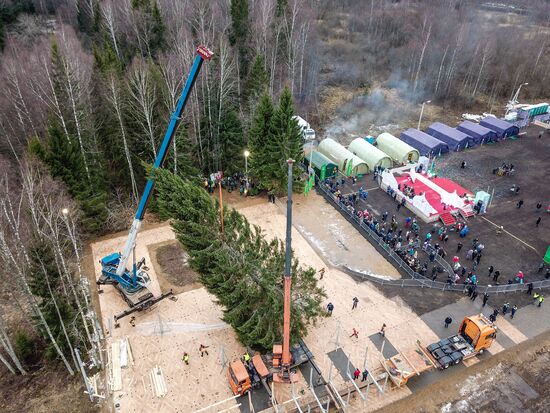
{"x": 361, "y": 157}
{"x": 440, "y": 138}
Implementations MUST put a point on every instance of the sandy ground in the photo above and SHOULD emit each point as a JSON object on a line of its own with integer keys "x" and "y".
{"x": 162, "y": 334}
{"x": 337, "y": 240}
{"x": 403, "y": 326}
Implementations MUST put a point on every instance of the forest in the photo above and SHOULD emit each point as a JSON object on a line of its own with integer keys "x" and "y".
{"x": 88, "y": 87}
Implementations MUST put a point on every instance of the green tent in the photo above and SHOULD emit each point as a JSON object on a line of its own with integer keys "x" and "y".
{"x": 547, "y": 256}
{"x": 323, "y": 167}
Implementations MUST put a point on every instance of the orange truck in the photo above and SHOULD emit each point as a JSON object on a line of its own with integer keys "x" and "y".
{"x": 475, "y": 335}
{"x": 244, "y": 377}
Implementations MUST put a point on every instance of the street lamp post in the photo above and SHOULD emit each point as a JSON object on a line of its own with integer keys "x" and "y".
{"x": 422, "y": 112}
{"x": 246, "y": 155}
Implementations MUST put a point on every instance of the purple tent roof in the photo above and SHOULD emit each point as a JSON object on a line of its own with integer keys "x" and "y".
{"x": 478, "y": 132}
{"x": 426, "y": 144}
{"x": 454, "y": 138}
{"x": 501, "y": 127}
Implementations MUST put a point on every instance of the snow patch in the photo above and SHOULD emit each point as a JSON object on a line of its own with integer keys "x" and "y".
{"x": 320, "y": 245}
{"x": 370, "y": 274}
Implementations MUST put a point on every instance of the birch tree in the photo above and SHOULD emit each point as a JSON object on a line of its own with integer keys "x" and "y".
{"x": 143, "y": 99}
{"x": 115, "y": 99}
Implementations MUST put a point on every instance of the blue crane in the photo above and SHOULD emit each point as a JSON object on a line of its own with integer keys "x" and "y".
{"x": 133, "y": 284}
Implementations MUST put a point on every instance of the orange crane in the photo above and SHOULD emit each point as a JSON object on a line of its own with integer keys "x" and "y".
{"x": 282, "y": 353}
{"x": 252, "y": 374}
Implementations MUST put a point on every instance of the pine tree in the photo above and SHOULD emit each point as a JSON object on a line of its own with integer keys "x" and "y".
{"x": 286, "y": 143}
{"x": 184, "y": 154}
{"x": 259, "y": 134}
{"x": 240, "y": 266}
{"x": 158, "y": 41}
{"x": 232, "y": 140}
{"x": 152, "y": 24}
{"x": 239, "y": 32}
{"x": 45, "y": 283}
{"x": 2, "y": 36}
{"x": 256, "y": 84}
{"x": 65, "y": 162}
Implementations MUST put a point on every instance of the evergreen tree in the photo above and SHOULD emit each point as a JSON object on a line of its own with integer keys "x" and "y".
{"x": 232, "y": 140}
{"x": 240, "y": 267}
{"x": 152, "y": 24}
{"x": 65, "y": 162}
{"x": 239, "y": 32}
{"x": 259, "y": 134}
{"x": 45, "y": 283}
{"x": 2, "y": 36}
{"x": 256, "y": 84}
{"x": 183, "y": 155}
{"x": 286, "y": 143}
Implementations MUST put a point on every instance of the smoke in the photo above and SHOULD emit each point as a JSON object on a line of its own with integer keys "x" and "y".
{"x": 386, "y": 108}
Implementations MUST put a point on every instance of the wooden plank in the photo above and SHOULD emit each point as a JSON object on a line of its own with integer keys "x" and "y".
{"x": 157, "y": 382}
{"x": 130, "y": 353}
{"x": 116, "y": 383}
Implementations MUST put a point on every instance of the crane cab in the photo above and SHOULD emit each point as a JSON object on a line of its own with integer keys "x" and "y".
{"x": 238, "y": 378}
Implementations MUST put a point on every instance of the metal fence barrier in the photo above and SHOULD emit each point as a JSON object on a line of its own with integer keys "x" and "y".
{"x": 416, "y": 279}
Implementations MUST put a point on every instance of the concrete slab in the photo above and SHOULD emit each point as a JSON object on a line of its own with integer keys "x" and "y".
{"x": 457, "y": 311}
{"x": 340, "y": 361}
{"x": 378, "y": 340}
{"x": 504, "y": 340}
{"x": 531, "y": 320}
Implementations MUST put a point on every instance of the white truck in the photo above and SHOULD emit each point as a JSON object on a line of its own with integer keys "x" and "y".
{"x": 307, "y": 132}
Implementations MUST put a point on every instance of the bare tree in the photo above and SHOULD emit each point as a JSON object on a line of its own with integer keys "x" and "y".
{"x": 116, "y": 101}
{"x": 110, "y": 23}
{"x": 143, "y": 99}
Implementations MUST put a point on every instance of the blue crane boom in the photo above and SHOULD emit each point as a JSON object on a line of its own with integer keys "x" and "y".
{"x": 132, "y": 283}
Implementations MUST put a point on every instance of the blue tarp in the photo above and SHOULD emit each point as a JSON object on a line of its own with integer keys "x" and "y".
{"x": 456, "y": 139}
{"x": 502, "y": 128}
{"x": 481, "y": 134}
{"x": 425, "y": 144}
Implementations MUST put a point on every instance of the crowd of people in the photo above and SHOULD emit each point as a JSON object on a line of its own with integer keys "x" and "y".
{"x": 230, "y": 183}
{"x": 405, "y": 240}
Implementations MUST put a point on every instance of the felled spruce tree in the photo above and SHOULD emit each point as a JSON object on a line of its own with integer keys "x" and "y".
{"x": 240, "y": 267}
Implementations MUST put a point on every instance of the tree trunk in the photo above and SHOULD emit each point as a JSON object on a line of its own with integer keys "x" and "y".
{"x": 420, "y": 60}
{"x": 114, "y": 98}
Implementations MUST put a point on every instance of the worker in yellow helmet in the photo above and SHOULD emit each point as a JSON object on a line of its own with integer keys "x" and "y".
{"x": 246, "y": 357}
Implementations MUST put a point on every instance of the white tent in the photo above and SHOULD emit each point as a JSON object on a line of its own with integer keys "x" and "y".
{"x": 343, "y": 158}
{"x": 370, "y": 154}
{"x": 396, "y": 149}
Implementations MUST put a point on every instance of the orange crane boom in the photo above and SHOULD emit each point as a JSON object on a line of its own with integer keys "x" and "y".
{"x": 285, "y": 375}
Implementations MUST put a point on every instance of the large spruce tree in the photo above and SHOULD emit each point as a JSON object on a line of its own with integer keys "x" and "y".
{"x": 239, "y": 33}
{"x": 259, "y": 134}
{"x": 285, "y": 143}
{"x": 65, "y": 162}
{"x": 274, "y": 137}
{"x": 255, "y": 85}
{"x": 240, "y": 267}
